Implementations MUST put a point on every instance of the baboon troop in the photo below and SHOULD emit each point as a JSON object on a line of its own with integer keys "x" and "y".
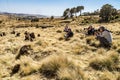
{"x": 23, "y": 50}
{"x": 29, "y": 36}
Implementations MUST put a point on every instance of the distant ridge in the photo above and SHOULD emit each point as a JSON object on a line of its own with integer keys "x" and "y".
{"x": 23, "y": 15}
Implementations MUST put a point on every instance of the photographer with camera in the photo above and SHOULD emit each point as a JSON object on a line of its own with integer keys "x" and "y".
{"x": 104, "y": 36}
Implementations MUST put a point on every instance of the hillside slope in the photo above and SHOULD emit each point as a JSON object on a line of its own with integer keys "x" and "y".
{"x": 53, "y": 58}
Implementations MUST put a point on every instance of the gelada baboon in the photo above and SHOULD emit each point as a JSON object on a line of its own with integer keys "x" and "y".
{"x": 13, "y": 32}
{"x": 15, "y": 69}
{"x": 25, "y": 32}
{"x": 18, "y": 34}
{"x": 38, "y": 35}
{"x": 24, "y": 50}
{"x": 32, "y": 36}
{"x": 2, "y": 34}
{"x": 27, "y": 36}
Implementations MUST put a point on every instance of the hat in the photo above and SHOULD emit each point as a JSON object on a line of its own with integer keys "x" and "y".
{"x": 102, "y": 27}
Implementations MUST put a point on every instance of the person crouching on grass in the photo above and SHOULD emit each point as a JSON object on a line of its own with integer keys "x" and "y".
{"x": 66, "y": 28}
{"x": 105, "y": 37}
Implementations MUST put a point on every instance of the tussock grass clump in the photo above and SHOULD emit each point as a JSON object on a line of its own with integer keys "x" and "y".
{"x": 42, "y": 43}
{"x": 70, "y": 74}
{"x": 118, "y": 77}
{"x": 39, "y": 43}
{"x": 79, "y": 49}
{"x": 28, "y": 66}
{"x": 108, "y": 62}
{"x": 118, "y": 50}
{"x": 61, "y": 38}
{"x": 59, "y": 31}
{"x": 92, "y": 41}
{"x": 61, "y": 67}
{"x": 115, "y": 45}
{"x": 89, "y": 39}
{"x": 107, "y": 76}
{"x": 101, "y": 51}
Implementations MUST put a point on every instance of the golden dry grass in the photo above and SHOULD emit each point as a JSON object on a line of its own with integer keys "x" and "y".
{"x": 54, "y": 58}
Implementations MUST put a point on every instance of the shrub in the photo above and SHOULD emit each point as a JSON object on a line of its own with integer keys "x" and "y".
{"x": 116, "y": 17}
{"x": 52, "y": 17}
{"x": 107, "y": 12}
{"x": 35, "y": 20}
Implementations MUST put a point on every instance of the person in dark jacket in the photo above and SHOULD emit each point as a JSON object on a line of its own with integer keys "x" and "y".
{"x": 66, "y": 28}
{"x": 90, "y": 30}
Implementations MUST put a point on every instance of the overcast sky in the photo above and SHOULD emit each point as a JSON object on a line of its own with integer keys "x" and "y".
{"x": 52, "y": 7}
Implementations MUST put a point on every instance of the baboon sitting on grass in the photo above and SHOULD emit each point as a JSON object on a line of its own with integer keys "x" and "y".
{"x": 2, "y": 34}
{"x": 18, "y": 34}
{"x": 32, "y": 36}
{"x": 23, "y": 50}
{"x": 15, "y": 69}
{"x": 13, "y": 32}
{"x": 38, "y": 35}
{"x": 27, "y": 37}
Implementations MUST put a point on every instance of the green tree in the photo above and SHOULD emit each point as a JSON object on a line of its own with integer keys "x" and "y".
{"x": 66, "y": 12}
{"x": 73, "y": 11}
{"x": 80, "y": 8}
{"x": 52, "y": 17}
{"x": 107, "y": 12}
